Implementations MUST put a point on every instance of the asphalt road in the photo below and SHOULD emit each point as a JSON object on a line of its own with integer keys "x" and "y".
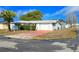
{"x": 21, "y": 45}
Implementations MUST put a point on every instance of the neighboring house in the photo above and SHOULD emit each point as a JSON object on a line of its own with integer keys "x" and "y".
{"x": 3, "y": 26}
{"x": 68, "y": 25}
{"x": 63, "y": 24}
{"x": 45, "y": 24}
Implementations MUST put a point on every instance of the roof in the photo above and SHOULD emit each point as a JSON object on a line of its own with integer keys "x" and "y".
{"x": 42, "y": 21}
{"x": 61, "y": 20}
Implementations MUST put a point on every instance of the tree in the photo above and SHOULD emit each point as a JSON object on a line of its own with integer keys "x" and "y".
{"x": 33, "y": 15}
{"x": 74, "y": 19}
{"x": 68, "y": 20}
{"x": 7, "y": 15}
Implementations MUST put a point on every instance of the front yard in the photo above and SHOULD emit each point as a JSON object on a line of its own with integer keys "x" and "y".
{"x": 58, "y": 34}
{"x": 5, "y": 32}
{"x": 42, "y": 35}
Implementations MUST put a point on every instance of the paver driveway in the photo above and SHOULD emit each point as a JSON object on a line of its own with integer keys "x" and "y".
{"x": 29, "y": 34}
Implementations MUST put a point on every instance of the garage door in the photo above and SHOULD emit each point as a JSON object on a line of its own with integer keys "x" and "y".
{"x": 44, "y": 27}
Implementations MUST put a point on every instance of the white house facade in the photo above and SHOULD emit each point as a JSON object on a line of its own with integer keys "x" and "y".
{"x": 13, "y": 26}
{"x": 45, "y": 24}
{"x": 44, "y": 27}
{"x": 67, "y": 25}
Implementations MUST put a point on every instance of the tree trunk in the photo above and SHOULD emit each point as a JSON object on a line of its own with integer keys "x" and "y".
{"x": 9, "y": 27}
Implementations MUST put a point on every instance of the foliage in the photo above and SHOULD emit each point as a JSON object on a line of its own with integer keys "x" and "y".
{"x": 71, "y": 19}
{"x": 7, "y": 15}
{"x": 74, "y": 19}
{"x": 68, "y": 20}
{"x": 27, "y": 27}
{"x": 33, "y": 15}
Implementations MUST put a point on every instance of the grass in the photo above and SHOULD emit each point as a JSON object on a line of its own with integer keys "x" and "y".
{"x": 5, "y": 32}
{"x": 58, "y": 34}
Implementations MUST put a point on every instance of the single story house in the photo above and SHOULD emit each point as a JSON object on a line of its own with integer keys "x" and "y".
{"x": 4, "y": 26}
{"x": 44, "y": 24}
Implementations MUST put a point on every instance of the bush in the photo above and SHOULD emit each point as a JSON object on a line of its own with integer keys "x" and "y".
{"x": 27, "y": 27}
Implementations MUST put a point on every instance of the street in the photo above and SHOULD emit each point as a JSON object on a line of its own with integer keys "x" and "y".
{"x": 21, "y": 45}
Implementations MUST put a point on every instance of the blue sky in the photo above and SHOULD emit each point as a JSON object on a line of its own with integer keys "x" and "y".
{"x": 49, "y": 12}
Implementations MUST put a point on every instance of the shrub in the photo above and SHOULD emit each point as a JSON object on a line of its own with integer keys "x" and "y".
{"x": 27, "y": 27}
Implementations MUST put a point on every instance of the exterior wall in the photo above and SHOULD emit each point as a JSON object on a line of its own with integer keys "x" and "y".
{"x": 13, "y": 27}
{"x": 3, "y": 26}
{"x": 44, "y": 27}
{"x": 57, "y": 26}
{"x": 67, "y": 25}
{"x": 63, "y": 25}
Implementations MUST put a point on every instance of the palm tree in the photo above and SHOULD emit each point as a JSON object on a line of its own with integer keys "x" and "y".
{"x": 7, "y": 15}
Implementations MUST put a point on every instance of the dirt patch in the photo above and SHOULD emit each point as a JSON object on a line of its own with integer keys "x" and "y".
{"x": 57, "y": 34}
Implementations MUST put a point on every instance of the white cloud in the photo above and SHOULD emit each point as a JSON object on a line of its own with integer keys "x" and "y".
{"x": 30, "y": 10}
{"x": 47, "y": 16}
{"x": 72, "y": 9}
{"x": 62, "y": 12}
{"x": 66, "y": 10}
{"x": 51, "y": 15}
{"x": 23, "y": 12}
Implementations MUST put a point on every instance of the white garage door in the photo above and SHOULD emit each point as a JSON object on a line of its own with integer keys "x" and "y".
{"x": 44, "y": 27}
